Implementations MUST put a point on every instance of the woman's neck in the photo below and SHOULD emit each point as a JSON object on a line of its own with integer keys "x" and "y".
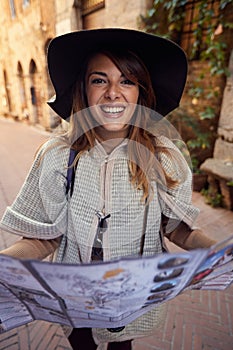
{"x": 110, "y": 139}
{"x": 104, "y": 134}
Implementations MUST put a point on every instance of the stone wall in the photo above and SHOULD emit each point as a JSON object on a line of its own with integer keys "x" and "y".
{"x": 117, "y": 14}
{"x": 24, "y": 81}
{"x": 23, "y": 74}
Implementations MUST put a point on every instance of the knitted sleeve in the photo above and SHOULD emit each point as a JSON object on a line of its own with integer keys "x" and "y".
{"x": 40, "y": 209}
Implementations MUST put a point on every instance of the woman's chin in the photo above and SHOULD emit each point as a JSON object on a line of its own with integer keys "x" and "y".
{"x": 114, "y": 126}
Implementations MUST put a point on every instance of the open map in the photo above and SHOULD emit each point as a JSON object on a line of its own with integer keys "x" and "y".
{"x": 106, "y": 294}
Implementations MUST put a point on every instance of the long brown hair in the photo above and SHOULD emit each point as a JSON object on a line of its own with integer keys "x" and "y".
{"x": 143, "y": 148}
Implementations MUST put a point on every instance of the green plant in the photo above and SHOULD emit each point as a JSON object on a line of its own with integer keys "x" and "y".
{"x": 190, "y": 128}
{"x": 230, "y": 183}
{"x": 195, "y": 165}
{"x": 197, "y": 117}
{"x": 171, "y": 22}
{"x": 212, "y": 198}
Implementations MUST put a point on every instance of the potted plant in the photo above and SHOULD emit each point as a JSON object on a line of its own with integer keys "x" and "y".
{"x": 200, "y": 178}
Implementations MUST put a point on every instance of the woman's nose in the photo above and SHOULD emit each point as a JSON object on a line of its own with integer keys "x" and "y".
{"x": 112, "y": 91}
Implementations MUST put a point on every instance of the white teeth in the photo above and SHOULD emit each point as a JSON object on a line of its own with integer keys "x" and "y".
{"x": 113, "y": 109}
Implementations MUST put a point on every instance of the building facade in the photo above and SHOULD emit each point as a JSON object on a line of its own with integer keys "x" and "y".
{"x": 27, "y": 26}
{"x": 26, "y": 29}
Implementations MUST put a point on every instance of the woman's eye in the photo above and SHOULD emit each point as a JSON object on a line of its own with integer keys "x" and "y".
{"x": 97, "y": 81}
{"x": 127, "y": 82}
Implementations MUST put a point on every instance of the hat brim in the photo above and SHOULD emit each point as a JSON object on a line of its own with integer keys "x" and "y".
{"x": 165, "y": 61}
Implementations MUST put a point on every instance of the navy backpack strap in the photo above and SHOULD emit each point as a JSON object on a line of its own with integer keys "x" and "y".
{"x": 70, "y": 172}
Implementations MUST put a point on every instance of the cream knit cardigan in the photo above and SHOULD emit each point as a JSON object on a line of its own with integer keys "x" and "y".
{"x": 42, "y": 210}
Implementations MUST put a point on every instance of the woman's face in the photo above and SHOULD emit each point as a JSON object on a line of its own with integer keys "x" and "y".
{"x": 114, "y": 95}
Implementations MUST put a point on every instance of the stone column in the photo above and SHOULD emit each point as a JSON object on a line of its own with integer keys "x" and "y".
{"x": 220, "y": 167}
{"x": 224, "y": 145}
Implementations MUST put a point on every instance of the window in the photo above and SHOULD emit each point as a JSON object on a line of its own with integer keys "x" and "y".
{"x": 88, "y": 6}
{"x": 195, "y": 27}
{"x": 12, "y": 8}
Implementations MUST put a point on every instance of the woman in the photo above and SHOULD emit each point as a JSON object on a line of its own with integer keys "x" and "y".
{"x": 131, "y": 181}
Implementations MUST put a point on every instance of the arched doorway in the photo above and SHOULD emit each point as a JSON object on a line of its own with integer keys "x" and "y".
{"x": 34, "y": 92}
{"x": 7, "y": 92}
{"x": 22, "y": 93}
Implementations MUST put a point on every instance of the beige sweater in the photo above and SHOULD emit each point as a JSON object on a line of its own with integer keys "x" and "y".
{"x": 43, "y": 214}
{"x": 183, "y": 236}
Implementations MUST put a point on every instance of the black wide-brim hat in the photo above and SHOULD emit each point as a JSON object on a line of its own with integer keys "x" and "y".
{"x": 164, "y": 59}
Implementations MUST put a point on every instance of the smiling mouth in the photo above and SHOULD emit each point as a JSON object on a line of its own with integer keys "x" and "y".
{"x": 113, "y": 110}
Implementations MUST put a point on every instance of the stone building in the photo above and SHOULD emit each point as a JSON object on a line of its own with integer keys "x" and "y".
{"x": 26, "y": 29}
{"x": 27, "y": 26}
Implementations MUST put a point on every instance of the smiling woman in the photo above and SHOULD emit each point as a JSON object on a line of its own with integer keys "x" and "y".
{"x": 131, "y": 187}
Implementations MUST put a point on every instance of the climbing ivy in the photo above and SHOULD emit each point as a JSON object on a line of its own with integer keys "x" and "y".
{"x": 166, "y": 18}
{"x": 172, "y": 21}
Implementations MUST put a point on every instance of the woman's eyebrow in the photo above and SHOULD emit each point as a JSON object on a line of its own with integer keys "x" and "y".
{"x": 98, "y": 73}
